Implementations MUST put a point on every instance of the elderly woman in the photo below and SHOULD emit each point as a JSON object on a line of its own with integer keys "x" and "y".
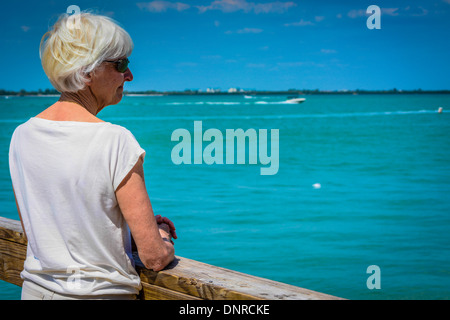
{"x": 78, "y": 181}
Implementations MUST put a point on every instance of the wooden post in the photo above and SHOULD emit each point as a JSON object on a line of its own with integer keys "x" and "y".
{"x": 183, "y": 279}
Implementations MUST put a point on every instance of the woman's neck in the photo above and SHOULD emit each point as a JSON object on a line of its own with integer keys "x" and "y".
{"x": 83, "y": 99}
{"x": 79, "y": 106}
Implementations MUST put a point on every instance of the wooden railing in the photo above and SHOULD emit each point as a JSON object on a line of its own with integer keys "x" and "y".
{"x": 183, "y": 279}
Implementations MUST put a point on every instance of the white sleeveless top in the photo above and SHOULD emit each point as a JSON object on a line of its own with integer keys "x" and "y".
{"x": 65, "y": 174}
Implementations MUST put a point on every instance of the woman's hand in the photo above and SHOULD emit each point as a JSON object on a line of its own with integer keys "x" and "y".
{"x": 165, "y": 232}
{"x": 160, "y": 220}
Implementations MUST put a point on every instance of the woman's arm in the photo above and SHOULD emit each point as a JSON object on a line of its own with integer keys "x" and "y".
{"x": 154, "y": 252}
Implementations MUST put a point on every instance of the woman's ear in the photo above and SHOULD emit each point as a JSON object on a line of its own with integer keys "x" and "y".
{"x": 88, "y": 78}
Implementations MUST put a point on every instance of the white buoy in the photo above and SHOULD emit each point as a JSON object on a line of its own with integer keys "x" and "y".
{"x": 317, "y": 186}
{"x": 440, "y": 110}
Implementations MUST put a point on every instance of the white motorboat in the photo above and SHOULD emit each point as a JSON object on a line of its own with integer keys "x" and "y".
{"x": 295, "y": 100}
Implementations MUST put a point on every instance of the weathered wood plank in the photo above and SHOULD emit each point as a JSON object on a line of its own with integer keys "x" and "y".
{"x": 152, "y": 292}
{"x": 12, "y": 230}
{"x": 182, "y": 279}
{"x": 12, "y": 257}
{"x": 214, "y": 283}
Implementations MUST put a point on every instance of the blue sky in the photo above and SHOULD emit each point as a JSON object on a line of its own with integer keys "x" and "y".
{"x": 251, "y": 44}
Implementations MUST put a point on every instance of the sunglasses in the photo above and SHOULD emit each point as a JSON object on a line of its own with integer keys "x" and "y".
{"x": 121, "y": 65}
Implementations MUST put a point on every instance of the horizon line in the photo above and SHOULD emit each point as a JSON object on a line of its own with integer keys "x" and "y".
{"x": 237, "y": 91}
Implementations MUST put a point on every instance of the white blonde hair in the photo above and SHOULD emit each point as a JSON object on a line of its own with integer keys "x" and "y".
{"x": 76, "y": 45}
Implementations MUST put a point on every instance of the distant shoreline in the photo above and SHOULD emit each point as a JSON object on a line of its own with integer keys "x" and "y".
{"x": 292, "y": 92}
{"x": 288, "y": 93}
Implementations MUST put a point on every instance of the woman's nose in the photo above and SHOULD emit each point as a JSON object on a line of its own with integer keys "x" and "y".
{"x": 128, "y": 76}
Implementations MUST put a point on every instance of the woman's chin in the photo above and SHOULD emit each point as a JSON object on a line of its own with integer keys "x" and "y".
{"x": 119, "y": 95}
{"x": 116, "y": 99}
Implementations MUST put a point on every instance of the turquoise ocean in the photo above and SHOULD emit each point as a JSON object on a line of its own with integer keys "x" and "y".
{"x": 363, "y": 180}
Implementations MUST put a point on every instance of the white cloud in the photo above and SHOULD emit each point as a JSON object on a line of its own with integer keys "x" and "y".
{"x": 328, "y": 51}
{"x": 221, "y": 5}
{"x": 303, "y": 23}
{"x": 25, "y": 28}
{"x": 242, "y": 5}
{"x": 362, "y": 13}
{"x": 389, "y": 11}
{"x": 356, "y": 13}
{"x": 273, "y": 7}
{"x": 319, "y": 18}
{"x": 300, "y": 23}
{"x": 246, "y": 30}
{"x": 250, "y": 30}
{"x": 416, "y": 12}
{"x": 162, "y": 6}
{"x": 300, "y": 64}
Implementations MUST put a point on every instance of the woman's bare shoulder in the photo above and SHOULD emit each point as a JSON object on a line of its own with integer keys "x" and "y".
{"x": 63, "y": 112}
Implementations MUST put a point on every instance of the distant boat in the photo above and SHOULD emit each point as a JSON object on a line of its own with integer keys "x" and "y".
{"x": 295, "y": 100}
